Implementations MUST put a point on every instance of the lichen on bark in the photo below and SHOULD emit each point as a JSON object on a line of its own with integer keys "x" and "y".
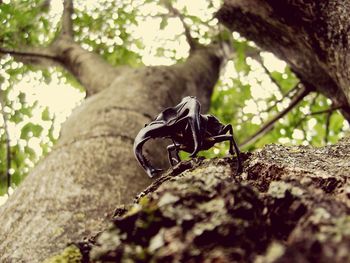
{"x": 277, "y": 210}
{"x": 71, "y": 255}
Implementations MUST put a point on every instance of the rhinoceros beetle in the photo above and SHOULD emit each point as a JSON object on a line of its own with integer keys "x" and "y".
{"x": 189, "y": 130}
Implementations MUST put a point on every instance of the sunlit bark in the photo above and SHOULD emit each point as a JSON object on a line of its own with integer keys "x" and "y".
{"x": 92, "y": 170}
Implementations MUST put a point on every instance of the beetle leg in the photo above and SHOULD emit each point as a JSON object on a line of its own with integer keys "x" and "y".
{"x": 222, "y": 138}
{"x": 171, "y": 148}
{"x": 177, "y": 147}
{"x": 228, "y": 128}
{"x": 233, "y": 144}
{"x": 150, "y": 170}
{"x": 194, "y": 124}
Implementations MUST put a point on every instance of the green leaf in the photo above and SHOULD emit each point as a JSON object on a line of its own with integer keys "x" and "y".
{"x": 29, "y": 130}
{"x": 30, "y": 152}
{"x": 163, "y": 23}
{"x": 45, "y": 115}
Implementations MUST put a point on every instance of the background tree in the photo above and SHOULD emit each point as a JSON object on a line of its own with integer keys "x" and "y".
{"x": 86, "y": 165}
{"x": 89, "y": 171}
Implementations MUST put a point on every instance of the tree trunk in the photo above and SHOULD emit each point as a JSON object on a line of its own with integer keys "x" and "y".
{"x": 92, "y": 168}
{"x": 291, "y": 204}
{"x": 312, "y": 36}
{"x": 296, "y": 196}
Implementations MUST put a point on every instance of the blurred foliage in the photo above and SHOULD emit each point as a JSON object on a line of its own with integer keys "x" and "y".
{"x": 245, "y": 95}
{"x": 105, "y": 29}
{"x": 236, "y": 100}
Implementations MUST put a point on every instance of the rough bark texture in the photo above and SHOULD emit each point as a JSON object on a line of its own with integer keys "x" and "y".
{"x": 92, "y": 168}
{"x": 312, "y": 36}
{"x": 291, "y": 204}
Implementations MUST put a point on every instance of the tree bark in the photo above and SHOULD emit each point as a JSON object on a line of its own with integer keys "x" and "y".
{"x": 92, "y": 168}
{"x": 311, "y": 36}
{"x": 291, "y": 204}
{"x": 283, "y": 194}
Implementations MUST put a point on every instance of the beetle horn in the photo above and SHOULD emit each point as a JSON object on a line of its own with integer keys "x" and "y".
{"x": 195, "y": 125}
{"x": 146, "y": 133}
{"x": 195, "y": 130}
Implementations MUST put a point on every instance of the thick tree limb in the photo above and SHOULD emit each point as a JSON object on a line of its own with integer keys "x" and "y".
{"x": 42, "y": 56}
{"x": 291, "y": 204}
{"x": 94, "y": 73}
{"x": 90, "y": 69}
{"x": 301, "y": 94}
{"x": 67, "y": 23}
{"x": 92, "y": 167}
{"x": 30, "y": 52}
{"x": 312, "y": 36}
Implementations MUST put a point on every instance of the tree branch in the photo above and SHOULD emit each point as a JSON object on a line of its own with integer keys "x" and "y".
{"x": 30, "y": 52}
{"x": 8, "y": 155}
{"x": 329, "y": 110}
{"x": 33, "y": 55}
{"x": 328, "y": 122}
{"x": 45, "y": 5}
{"x": 258, "y": 58}
{"x": 302, "y": 92}
{"x": 67, "y": 25}
{"x": 191, "y": 41}
{"x": 7, "y": 135}
{"x": 311, "y": 54}
{"x": 287, "y": 95}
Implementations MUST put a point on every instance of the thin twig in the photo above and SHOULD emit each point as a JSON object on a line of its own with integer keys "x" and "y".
{"x": 300, "y": 95}
{"x": 8, "y": 156}
{"x": 287, "y": 95}
{"x": 313, "y": 102}
{"x": 329, "y": 110}
{"x": 328, "y": 121}
{"x": 8, "y": 152}
{"x": 191, "y": 41}
{"x": 259, "y": 59}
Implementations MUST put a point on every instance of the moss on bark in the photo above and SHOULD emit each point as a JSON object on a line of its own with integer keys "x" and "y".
{"x": 69, "y": 255}
{"x": 284, "y": 207}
